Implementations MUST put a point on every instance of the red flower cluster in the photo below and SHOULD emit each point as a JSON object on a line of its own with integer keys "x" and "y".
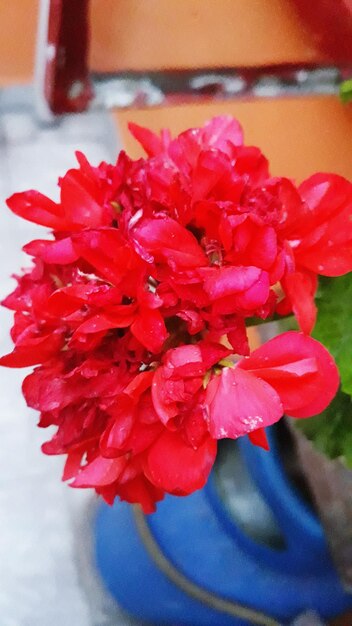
{"x": 136, "y": 310}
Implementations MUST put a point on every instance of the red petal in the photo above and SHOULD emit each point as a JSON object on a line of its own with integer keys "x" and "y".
{"x": 36, "y": 350}
{"x": 168, "y": 241}
{"x": 251, "y": 162}
{"x": 194, "y": 321}
{"x": 149, "y": 328}
{"x": 255, "y": 244}
{"x": 115, "y": 435}
{"x": 325, "y": 245}
{"x": 300, "y": 369}
{"x": 64, "y": 301}
{"x": 72, "y": 465}
{"x": 300, "y": 287}
{"x": 79, "y": 197}
{"x": 237, "y": 403}
{"x": 35, "y": 207}
{"x": 294, "y": 212}
{"x": 121, "y": 316}
{"x": 195, "y": 427}
{"x": 107, "y": 252}
{"x": 177, "y": 468}
{"x": 326, "y": 260}
{"x": 151, "y": 142}
{"x": 141, "y": 491}
{"x": 207, "y": 172}
{"x": 165, "y": 410}
{"x": 142, "y": 436}
{"x": 258, "y": 438}
{"x": 139, "y": 384}
{"x": 212, "y": 353}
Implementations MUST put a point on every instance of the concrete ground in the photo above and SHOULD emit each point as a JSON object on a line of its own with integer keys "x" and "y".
{"x": 46, "y": 571}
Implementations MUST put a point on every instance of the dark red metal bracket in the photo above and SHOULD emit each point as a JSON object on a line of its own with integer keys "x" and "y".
{"x": 330, "y": 24}
{"x": 67, "y": 87}
{"x": 65, "y": 83}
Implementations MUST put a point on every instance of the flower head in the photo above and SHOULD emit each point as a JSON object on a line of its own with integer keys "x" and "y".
{"x": 133, "y": 308}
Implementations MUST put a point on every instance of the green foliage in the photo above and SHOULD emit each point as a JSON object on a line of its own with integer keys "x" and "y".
{"x": 346, "y": 91}
{"x": 334, "y": 324}
{"x": 331, "y": 431}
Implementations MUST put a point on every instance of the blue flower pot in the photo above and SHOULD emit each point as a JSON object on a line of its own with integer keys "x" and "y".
{"x": 246, "y": 549}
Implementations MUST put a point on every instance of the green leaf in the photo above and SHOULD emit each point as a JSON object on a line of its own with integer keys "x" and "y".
{"x": 334, "y": 323}
{"x": 331, "y": 431}
{"x": 346, "y": 91}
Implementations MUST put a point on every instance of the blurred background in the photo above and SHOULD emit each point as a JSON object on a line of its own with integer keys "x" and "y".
{"x": 72, "y": 74}
{"x": 250, "y": 42}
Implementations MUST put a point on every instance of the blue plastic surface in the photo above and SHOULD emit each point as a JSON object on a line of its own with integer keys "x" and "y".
{"x": 200, "y": 538}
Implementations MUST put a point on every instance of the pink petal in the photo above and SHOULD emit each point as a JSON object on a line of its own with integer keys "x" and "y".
{"x": 59, "y": 252}
{"x": 100, "y": 472}
{"x": 227, "y": 281}
{"x": 221, "y": 131}
{"x": 236, "y": 288}
{"x": 185, "y": 360}
{"x": 256, "y": 295}
{"x": 237, "y": 403}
